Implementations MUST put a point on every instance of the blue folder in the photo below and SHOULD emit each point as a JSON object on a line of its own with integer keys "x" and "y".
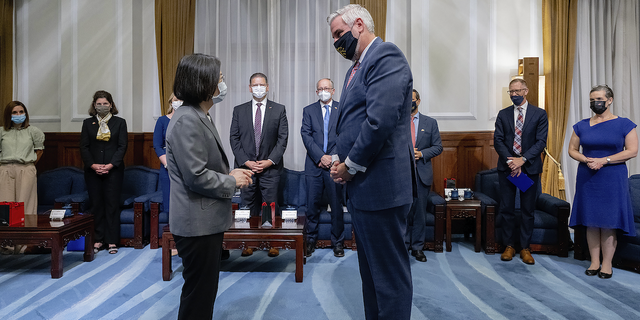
{"x": 523, "y": 182}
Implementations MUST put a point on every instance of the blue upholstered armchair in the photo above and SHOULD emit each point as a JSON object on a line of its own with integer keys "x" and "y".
{"x": 61, "y": 186}
{"x": 628, "y": 251}
{"x": 292, "y": 191}
{"x": 139, "y": 186}
{"x": 551, "y": 218}
{"x": 434, "y": 232}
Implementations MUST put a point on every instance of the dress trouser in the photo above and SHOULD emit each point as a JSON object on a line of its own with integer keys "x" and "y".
{"x": 201, "y": 262}
{"x": 18, "y": 183}
{"x": 417, "y": 219}
{"x": 104, "y": 195}
{"x": 508, "y": 213}
{"x": 384, "y": 262}
{"x": 263, "y": 189}
{"x": 316, "y": 187}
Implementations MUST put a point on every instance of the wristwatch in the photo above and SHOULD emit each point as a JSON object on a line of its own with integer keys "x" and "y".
{"x": 524, "y": 159}
{"x": 352, "y": 171}
{"x": 608, "y": 160}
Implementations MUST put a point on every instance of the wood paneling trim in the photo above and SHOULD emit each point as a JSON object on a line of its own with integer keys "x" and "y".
{"x": 464, "y": 154}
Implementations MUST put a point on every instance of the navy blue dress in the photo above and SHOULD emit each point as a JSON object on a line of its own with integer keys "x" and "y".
{"x": 159, "y": 145}
{"x": 602, "y": 197}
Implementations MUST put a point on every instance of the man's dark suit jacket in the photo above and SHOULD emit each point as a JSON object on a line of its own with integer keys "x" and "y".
{"x": 429, "y": 143}
{"x": 374, "y": 130}
{"x": 312, "y": 132}
{"x": 534, "y": 138}
{"x": 275, "y": 133}
{"x": 95, "y": 151}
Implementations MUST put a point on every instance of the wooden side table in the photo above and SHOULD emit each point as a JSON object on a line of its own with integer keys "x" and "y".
{"x": 457, "y": 209}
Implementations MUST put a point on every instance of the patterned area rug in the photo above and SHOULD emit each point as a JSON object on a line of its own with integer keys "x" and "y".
{"x": 460, "y": 284}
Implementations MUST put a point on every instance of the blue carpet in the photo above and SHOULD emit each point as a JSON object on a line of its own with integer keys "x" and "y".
{"x": 460, "y": 284}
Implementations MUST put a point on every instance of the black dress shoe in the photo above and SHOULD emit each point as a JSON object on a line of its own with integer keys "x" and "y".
{"x": 338, "y": 250}
{"x": 603, "y": 275}
{"x": 311, "y": 247}
{"x": 419, "y": 255}
{"x": 592, "y": 272}
{"x": 224, "y": 255}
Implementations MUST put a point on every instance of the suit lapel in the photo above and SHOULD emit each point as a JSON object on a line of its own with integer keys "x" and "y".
{"x": 511, "y": 120}
{"x": 528, "y": 117}
{"x": 247, "y": 116}
{"x": 422, "y": 124}
{"x": 333, "y": 117}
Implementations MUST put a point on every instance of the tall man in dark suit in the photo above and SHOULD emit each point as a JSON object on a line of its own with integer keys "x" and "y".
{"x": 319, "y": 137}
{"x": 519, "y": 138}
{"x": 427, "y": 144}
{"x": 259, "y": 133}
{"x": 374, "y": 157}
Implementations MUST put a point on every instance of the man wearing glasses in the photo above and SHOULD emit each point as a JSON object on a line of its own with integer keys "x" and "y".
{"x": 519, "y": 138}
{"x": 319, "y": 137}
{"x": 259, "y": 134}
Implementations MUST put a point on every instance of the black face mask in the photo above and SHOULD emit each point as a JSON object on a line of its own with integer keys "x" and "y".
{"x": 598, "y": 106}
{"x": 414, "y": 106}
{"x": 346, "y": 45}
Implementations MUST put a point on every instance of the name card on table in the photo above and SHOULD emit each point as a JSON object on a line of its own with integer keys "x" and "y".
{"x": 289, "y": 214}
{"x": 243, "y": 214}
{"x": 57, "y": 214}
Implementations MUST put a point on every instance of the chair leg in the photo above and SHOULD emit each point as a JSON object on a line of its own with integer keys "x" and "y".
{"x": 153, "y": 224}
{"x": 490, "y": 230}
{"x": 138, "y": 209}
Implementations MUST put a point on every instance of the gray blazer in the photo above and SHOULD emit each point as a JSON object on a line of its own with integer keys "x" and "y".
{"x": 201, "y": 187}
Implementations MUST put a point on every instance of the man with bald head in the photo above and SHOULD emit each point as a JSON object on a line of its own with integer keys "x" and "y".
{"x": 319, "y": 137}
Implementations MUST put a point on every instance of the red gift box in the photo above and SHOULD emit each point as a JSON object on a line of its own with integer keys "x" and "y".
{"x": 12, "y": 212}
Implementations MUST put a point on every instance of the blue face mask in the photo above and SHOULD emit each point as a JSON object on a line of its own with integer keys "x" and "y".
{"x": 19, "y": 119}
{"x": 517, "y": 100}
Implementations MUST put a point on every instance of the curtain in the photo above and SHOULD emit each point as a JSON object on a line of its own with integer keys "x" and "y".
{"x": 289, "y": 41}
{"x": 6, "y": 53}
{"x": 607, "y": 52}
{"x": 558, "y": 37}
{"x": 175, "y": 22}
{"x": 378, "y": 11}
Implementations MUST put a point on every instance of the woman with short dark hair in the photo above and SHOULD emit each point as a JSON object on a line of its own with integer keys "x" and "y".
{"x": 602, "y": 202}
{"x": 201, "y": 184}
{"x": 103, "y": 143}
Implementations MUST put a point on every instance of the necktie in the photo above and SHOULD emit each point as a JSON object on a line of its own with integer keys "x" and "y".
{"x": 327, "y": 115}
{"x": 257, "y": 128}
{"x": 353, "y": 71}
{"x": 517, "y": 140}
{"x": 413, "y": 132}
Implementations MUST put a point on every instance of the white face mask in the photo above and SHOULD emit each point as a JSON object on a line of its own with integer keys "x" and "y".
{"x": 176, "y": 104}
{"x": 259, "y": 91}
{"x": 223, "y": 92}
{"x": 324, "y": 96}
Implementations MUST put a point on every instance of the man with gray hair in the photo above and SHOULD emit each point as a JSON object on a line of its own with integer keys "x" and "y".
{"x": 374, "y": 159}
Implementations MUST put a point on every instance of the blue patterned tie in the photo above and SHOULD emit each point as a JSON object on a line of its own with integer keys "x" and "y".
{"x": 327, "y": 115}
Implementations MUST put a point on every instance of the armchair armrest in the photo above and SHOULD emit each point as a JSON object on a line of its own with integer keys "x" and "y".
{"x": 485, "y": 199}
{"x": 82, "y": 197}
{"x": 146, "y": 199}
{"x": 552, "y": 205}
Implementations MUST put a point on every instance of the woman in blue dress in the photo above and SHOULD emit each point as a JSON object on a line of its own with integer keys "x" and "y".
{"x": 602, "y": 202}
{"x": 159, "y": 137}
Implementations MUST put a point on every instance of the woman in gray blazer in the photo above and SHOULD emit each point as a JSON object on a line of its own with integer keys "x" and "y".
{"x": 201, "y": 184}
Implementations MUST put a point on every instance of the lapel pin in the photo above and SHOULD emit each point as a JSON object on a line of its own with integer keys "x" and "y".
{"x": 422, "y": 130}
{"x": 94, "y": 123}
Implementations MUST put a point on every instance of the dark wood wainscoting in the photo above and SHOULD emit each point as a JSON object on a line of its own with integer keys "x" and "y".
{"x": 63, "y": 149}
{"x": 464, "y": 154}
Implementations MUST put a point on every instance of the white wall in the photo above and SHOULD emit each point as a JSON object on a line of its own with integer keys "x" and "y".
{"x": 463, "y": 54}
{"x": 66, "y": 50}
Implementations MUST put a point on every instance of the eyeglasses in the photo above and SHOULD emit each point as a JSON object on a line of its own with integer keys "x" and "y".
{"x": 257, "y": 85}
{"x": 324, "y": 89}
{"x": 517, "y": 91}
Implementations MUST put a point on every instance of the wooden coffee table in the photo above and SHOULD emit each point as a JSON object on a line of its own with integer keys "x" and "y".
{"x": 251, "y": 235}
{"x": 457, "y": 209}
{"x": 42, "y": 232}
